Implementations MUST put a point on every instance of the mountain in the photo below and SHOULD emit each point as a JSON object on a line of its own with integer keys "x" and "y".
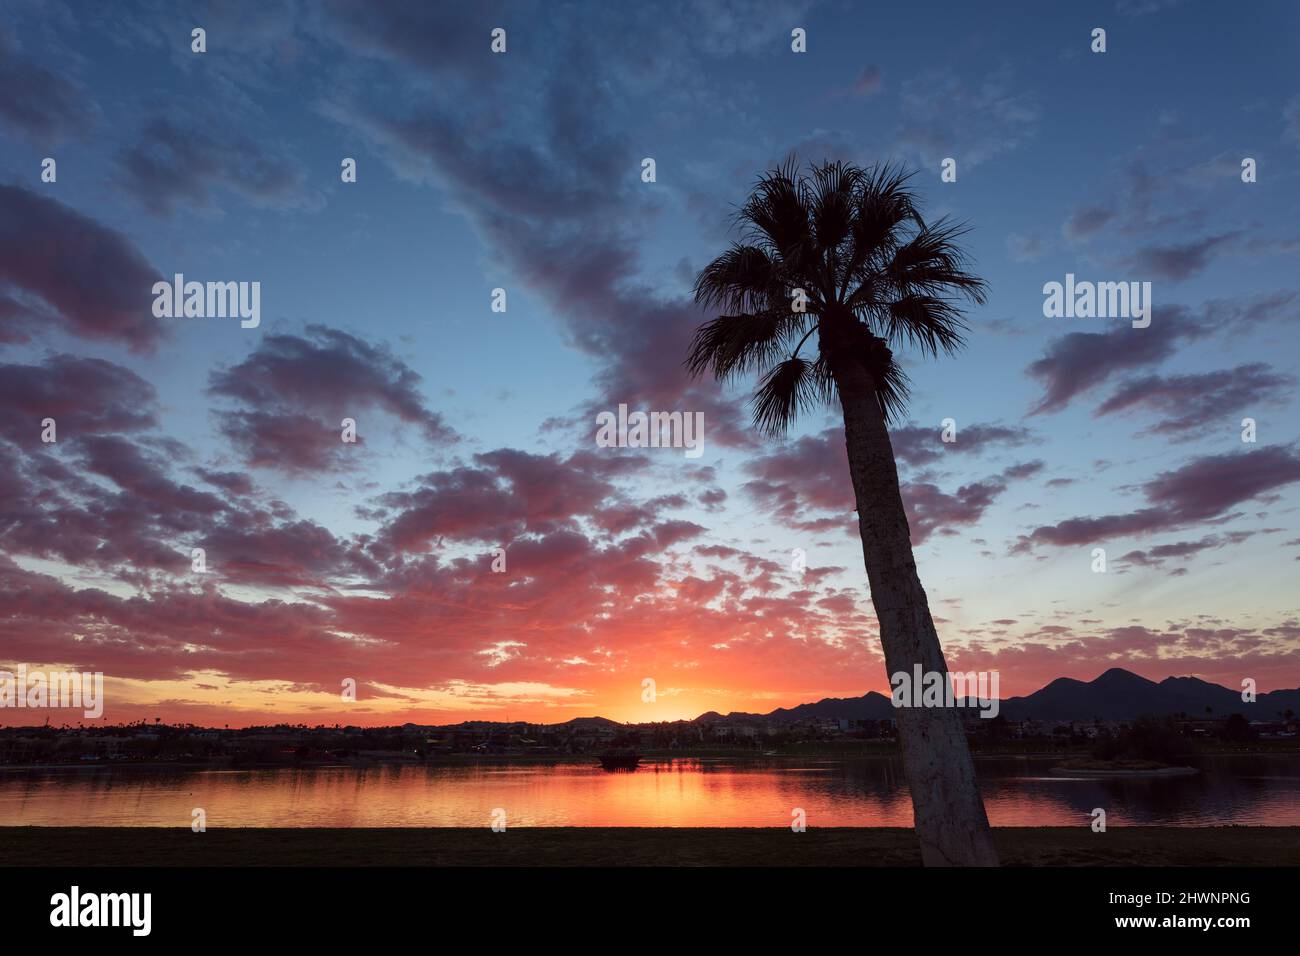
{"x": 1115, "y": 695}
{"x": 870, "y": 706}
{"x": 1122, "y": 695}
{"x": 592, "y": 723}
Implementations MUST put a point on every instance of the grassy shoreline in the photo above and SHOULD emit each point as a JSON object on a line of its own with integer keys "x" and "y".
{"x": 633, "y": 846}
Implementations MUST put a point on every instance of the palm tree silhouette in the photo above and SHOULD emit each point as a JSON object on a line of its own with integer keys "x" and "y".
{"x": 843, "y": 251}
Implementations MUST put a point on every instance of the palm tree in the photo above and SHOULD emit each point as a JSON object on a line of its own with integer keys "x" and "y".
{"x": 843, "y": 251}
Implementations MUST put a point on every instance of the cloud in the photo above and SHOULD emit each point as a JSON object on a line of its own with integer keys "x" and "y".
{"x": 1162, "y": 553}
{"x": 282, "y": 441}
{"x": 930, "y": 510}
{"x": 83, "y": 395}
{"x": 143, "y": 476}
{"x": 1135, "y": 8}
{"x": 972, "y": 122}
{"x": 577, "y": 242}
{"x": 103, "y": 502}
{"x": 1212, "y": 651}
{"x": 44, "y": 106}
{"x": 1028, "y": 248}
{"x": 297, "y": 389}
{"x": 183, "y": 163}
{"x": 1080, "y": 361}
{"x": 1291, "y": 119}
{"x": 539, "y": 150}
{"x": 810, "y": 473}
{"x": 249, "y": 549}
{"x": 95, "y": 281}
{"x": 869, "y": 82}
{"x": 508, "y": 493}
{"x": 1195, "y": 401}
{"x": 112, "y": 503}
{"x": 1202, "y": 490}
{"x": 1085, "y": 223}
{"x": 916, "y": 445}
{"x": 806, "y": 484}
{"x": 1160, "y": 192}
{"x": 1209, "y": 486}
{"x": 1180, "y": 260}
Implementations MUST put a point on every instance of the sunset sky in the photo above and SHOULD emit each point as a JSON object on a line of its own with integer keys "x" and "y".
{"x": 522, "y": 171}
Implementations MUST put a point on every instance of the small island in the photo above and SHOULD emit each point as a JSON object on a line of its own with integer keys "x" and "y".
{"x": 1093, "y": 767}
{"x": 1148, "y": 748}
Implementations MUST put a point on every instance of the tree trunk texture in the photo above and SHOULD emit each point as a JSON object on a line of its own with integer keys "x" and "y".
{"x": 949, "y": 813}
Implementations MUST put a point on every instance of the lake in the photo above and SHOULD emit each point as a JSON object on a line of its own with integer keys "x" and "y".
{"x": 1254, "y": 789}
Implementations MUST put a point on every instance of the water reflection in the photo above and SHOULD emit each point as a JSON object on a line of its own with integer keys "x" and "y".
{"x": 1242, "y": 789}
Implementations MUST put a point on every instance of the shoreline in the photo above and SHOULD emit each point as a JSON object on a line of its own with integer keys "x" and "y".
{"x": 648, "y": 757}
{"x": 1123, "y": 774}
{"x": 1233, "y": 846}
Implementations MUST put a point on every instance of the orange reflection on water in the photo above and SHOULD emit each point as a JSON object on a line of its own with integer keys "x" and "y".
{"x": 672, "y": 793}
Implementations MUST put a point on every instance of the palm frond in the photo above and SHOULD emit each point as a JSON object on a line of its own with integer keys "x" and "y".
{"x": 931, "y": 324}
{"x": 731, "y": 345}
{"x": 790, "y": 387}
{"x": 776, "y": 214}
{"x": 932, "y": 262}
{"x": 742, "y": 279}
{"x": 834, "y": 192}
{"x": 884, "y": 206}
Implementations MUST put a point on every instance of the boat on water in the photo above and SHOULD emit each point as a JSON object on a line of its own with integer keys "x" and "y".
{"x": 619, "y": 759}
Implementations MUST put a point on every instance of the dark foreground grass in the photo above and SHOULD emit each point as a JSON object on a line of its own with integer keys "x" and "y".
{"x": 632, "y": 846}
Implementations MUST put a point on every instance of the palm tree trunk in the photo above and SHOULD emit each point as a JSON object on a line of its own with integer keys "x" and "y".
{"x": 949, "y": 813}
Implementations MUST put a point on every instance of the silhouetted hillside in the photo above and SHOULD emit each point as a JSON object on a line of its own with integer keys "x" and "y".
{"x": 1115, "y": 695}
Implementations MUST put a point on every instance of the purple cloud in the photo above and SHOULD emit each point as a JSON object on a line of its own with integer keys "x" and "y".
{"x": 96, "y": 283}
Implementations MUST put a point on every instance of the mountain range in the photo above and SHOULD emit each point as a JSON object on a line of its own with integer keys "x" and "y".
{"x": 1115, "y": 695}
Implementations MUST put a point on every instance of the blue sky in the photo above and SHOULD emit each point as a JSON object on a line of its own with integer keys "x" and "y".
{"x": 522, "y": 171}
